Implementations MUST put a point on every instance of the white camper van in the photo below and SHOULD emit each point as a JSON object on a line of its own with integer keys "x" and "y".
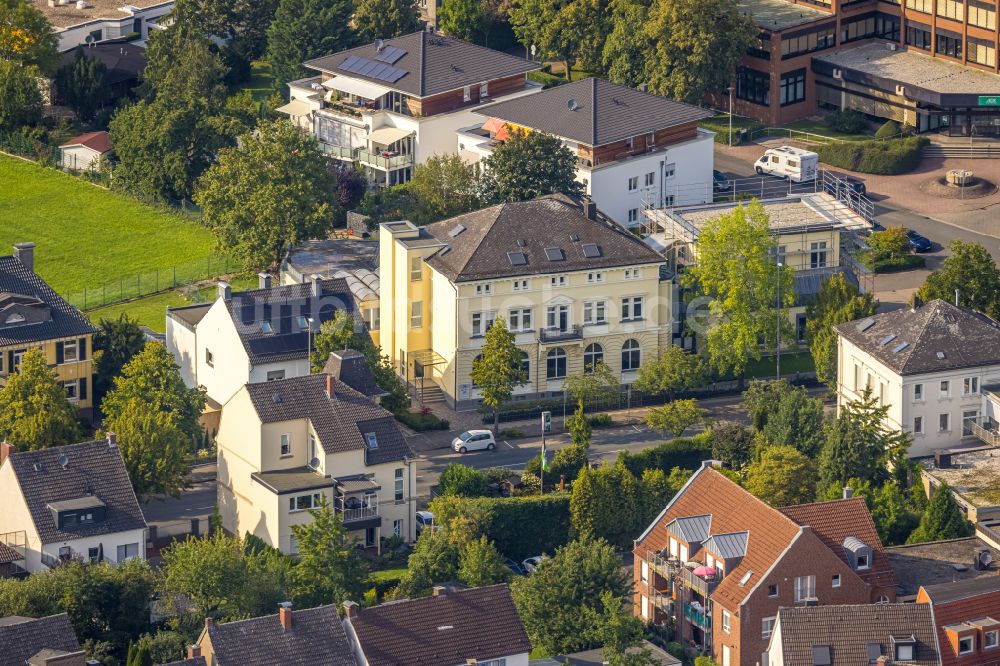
{"x": 795, "y": 164}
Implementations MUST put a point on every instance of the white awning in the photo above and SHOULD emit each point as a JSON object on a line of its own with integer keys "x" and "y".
{"x": 385, "y": 136}
{"x": 357, "y": 87}
{"x": 295, "y": 108}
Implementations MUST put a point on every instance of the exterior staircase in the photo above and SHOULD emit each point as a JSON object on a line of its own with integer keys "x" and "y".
{"x": 972, "y": 152}
{"x": 430, "y": 394}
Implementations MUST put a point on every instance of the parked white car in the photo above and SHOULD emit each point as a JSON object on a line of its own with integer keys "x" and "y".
{"x": 531, "y": 563}
{"x": 424, "y": 519}
{"x": 474, "y": 440}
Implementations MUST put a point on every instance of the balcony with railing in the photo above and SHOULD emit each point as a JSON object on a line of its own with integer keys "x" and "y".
{"x": 383, "y": 160}
{"x": 703, "y": 585}
{"x": 338, "y": 152}
{"x": 988, "y": 433}
{"x": 697, "y": 616}
{"x": 561, "y": 334}
{"x": 358, "y": 510}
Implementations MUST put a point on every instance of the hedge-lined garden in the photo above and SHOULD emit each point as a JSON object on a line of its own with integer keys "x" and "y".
{"x": 686, "y": 453}
{"x": 885, "y": 158}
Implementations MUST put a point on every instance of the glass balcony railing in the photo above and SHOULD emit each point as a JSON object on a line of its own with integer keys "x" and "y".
{"x": 382, "y": 161}
{"x": 340, "y": 152}
{"x": 697, "y": 617}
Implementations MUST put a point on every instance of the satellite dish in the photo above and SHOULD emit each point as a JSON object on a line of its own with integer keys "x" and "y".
{"x": 89, "y": 39}
{"x": 985, "y": 558}
{"x": 314, "y": 463}
{"x": 379, "y": 44}
{"x": 63, "y": 461}
{"x": 572, "y": 105}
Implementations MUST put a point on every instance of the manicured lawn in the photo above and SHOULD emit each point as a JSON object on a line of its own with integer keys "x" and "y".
{"x": 821, "y": 128}
{"x": 86, "y": 236}
{"x": 261, "y": 83}
{"x": 790, "y": 363}
{"x": 387, "y": 574}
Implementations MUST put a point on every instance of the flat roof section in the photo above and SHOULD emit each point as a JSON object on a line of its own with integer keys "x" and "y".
{"x": 914, "y": 70}
{"x": 65, "y": 16}
{"x": 780, "y": 15}
{"x": 938, "y": 562}
{"x": 975, "y": 475}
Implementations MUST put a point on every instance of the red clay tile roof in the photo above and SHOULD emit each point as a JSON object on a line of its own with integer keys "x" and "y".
{"x": 99, "y": 141}
{"x": 733, "y": 509}
{"x": 964, "y": 601}
{"x": 835, "y": 521}
{"x": 8, "y": 554}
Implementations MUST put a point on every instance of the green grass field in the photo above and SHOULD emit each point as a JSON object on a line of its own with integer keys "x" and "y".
{"x": 261, "y": 83}
{"x": 86, "y": 236}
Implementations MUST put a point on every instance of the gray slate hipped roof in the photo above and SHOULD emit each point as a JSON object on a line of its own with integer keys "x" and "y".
{"x": 482, "y": 250}
{"x": 938, "y": 335}
{"x": 849, "y": 630}
{"x": 340, "y": 422}
{"x": 351, "y": 367}
{"x": 316, "y": 638}
{"x": 281, "y": 306}
{"x": 23, "y": 638}
{"x": 433, "y": 63}
{"x": 93, "y": 468}
{"x": 445, "y": 630}
{"x": 66, "y": 320}
{"x": 604, "y": 112}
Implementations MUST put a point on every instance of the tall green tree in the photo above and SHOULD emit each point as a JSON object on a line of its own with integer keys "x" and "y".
{"x": 480, "y": 564}
{"x": 797, "y": 420}
{"x": 592, "y": 386}
{"x": 444, "y": 186}
{"x": 783, "y": 476}
{"x": 306, "y": 29}
{"x": 434, "y": 560}
{"x": 971, "y": 271}
{"x": 672, "y": 371}
{"x": 697, "y": 45}
{"x": 627, "y": 48}
{"x": 337, "y": 334}
{"x": 889, "y": 243}
{"x": 82, "y": 84}
{"x": 498, "y": 370}
{"x": 732, "y": 443}
{"x": 463, "y": 19}
{"x": 837, "y": 302}
{"x": 762, "y": 398}
{"x": 154, "y": 448}
{"x": 655, "y": 490}
{"x": 385, "y": 19}
{"x": 26, "y": 36}
{"x": 528, "y": 165}
{"x": 240, "y": 27}
{"x": 606, "y": 503}
{"x": 942, "y": 519}
{"x": 20, "y": 98}
{"x": 619, "y": 634}
{"x": 459, "y": 479}
{"x": 271, "y": 191}
{"x": 329, "y": 569}
{"x": 559, "y": 600}
{"x": 568, "y": 31}
{"x": 35, "y": 412}
{"x": 115, "y": 343}
{"x": 737, "y": 271}
{"x": 675, "y": 417}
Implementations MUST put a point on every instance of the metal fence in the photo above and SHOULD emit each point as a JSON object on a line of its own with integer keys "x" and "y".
{"x": 159, "y": 280}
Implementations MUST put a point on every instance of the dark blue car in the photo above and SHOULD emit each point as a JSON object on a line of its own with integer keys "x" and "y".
{"x": 919, "y": 243}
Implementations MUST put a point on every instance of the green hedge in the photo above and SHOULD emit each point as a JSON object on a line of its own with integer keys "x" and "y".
{"x": 519, "y": 526}
{"x": 422, "y": 422}
{"x": 686, "y": 453}
{"x": 887, "y": 158}
{"x": 892, "y": 264}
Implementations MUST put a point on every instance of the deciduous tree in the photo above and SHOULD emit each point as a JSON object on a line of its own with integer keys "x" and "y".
{"x": 271, "y": 191}
{"x": 463, "y": 19}
{"x": 480, "y": 564}
{"x": 153, "y": 446}
{"x": 675, "y": 417}
{"x": 82, "y": 84}
{"x": 732, "y": 443}
{"x": 498, "y": 370}
{"x": 971, "y": 271}
{"x": 837, "y": 302}
{"x": 306, "y": 29}
{"x": 329, "y": 569}
{"x": 889, "y": 243}
{"x": 26, "y": 36}
{"x": 942, "y": 519}
{"x": 20, "y": 99}
{"x": 672, "y": 371}
{"x": 797, "y": 420}
{"x": 529, "y": 165}
{"x": 458, "y": 479}
{"x": 434, "y": 560}
{"x": 782, "y": 477}
{"x": 35, "y": 412}
{"x": 444, "y": 186}
{"x": 385, "y": 19}
{"x": 627, "y": 48}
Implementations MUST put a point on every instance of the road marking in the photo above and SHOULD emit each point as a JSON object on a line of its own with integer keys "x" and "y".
{"x": 636, "y": 428}
{"x": 508, "y": 443}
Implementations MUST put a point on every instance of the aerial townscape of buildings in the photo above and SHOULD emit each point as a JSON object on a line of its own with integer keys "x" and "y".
{"x": 444, "y": 333}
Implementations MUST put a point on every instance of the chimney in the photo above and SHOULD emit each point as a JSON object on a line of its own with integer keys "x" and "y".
{"x": 882, "y": 660}
{"x": 350, "y": 609}
{"x": 225, "y": 291}
{"x": 5, "y": 450}
{"x": 848, "y": 492}
{"x": 25, "y": 253}
{"x": 643, "y": 87}
{"x": 112, "y": 440}
{"x": 590, "y": 209}
{"x": 263, "y": 280}
{"x": 194, "y": 651}
{"x": 285, "y": 614}
{"x": 330, "y": 393}
{"x": 439, "y": 591}
{"x": 317, "y": 284}
{"x": 209, "y": 623}
{"x": 471, "y": 661}
{"x": 562, "y": 482}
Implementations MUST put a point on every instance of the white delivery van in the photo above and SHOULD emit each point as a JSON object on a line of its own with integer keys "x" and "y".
{"x": 795, "y": 164}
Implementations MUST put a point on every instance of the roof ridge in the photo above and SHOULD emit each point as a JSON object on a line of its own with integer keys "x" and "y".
{"x": 593, "y": 111}
{"x": 933, "y": 312}
{"x": 753, "y": 497}
{"x": 820, "y": 502}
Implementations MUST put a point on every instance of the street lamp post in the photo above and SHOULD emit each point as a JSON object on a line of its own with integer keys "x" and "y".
{"x": 777, "y": 329}
{"x": 730, "y": 116}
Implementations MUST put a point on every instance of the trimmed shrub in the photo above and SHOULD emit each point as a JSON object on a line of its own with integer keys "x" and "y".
{"x": 422, "y": 422}
{"x": 888, "y": 130}
{"x": 847, "y": 121}
{"x": 685, "y": 452}
{"x": 602, "y": 420}
{"x": 885, "y": 158}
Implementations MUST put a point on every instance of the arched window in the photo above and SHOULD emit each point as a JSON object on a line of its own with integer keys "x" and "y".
{"x": 631, "y": 355}
{"x": 593, "y": 355}
{"x": 555, "y": 363}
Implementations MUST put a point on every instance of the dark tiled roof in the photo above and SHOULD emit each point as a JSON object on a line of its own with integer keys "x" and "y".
{"x": 938, "y": 335}
{"x": 444, "y": 630}
{"x": 21, "y": 640}
{"x": 943, "y": 593}
{"x": 848, "y": 631}
{"x": 190, "y": 315}
{"x": 193, "y": 661}
{"x": 293, "y": 480}
{"x": 93, "y": 468}
{"x": 603, "y": 112}
{"x": 433, "y": 63}
{"x": 66, "y": 320}
{"x": 483, "y": 249}
{"x": 351, "y": 367}
{"x": 316, "y": 638}
{"x": 835, "y": 521}
{"x": 125, "y": 62}
{"x": 281, "y": 307}
{"x": 340, "y": 423}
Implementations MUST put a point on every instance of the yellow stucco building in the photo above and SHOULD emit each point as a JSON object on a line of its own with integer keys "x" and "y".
{"x": 573, "y": 287}
{"x": 33, "y": 316}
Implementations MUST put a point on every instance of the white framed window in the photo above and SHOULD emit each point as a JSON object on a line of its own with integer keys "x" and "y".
{"x": 966, "y": 644}
{"x": 857, "y": 377}
{"x": 644, "y": 572}
{"x": 633, "y": 273}
{"x": 817, "y": 254}
{"x": 398, "y": 485}
{"x": 631, "y": 308}
{"x": 304, "y": 502}
{"x": 772, "y": 590}
{"x": 595, "y": 312}
{"x": 467, "y": 94}
{"x": 417, "y": 314}
{"x": 863, "y": 561}
{"x": 558, "y": 281}
{"x": 835, "y": 580}
{"x": 72, "y": 390}
{"x": 592, "y": 355}
{"x": 645, "y": 607}
{"x": 555, "y": 364}
{"x": 805, "y": 587}
{"x": 70, "y": 351}
{"x": 481, "y": 322}
{"x": 918, "y": 392}
{"x": 668, "y": 170}
{"x": 904, "y": 652}
{"x": 286, "y": 444}
{"x": 944, "y": 391}
{"x": 416, "y": 269}
{"x": 727, "y": 656}
{"x": 766, "y": 627}
{"x": 557, "y": 318}
{"x": 274, "y": 375}
{"x": 373, "y": 316}
{"x": 673, "y": 547}
{"x": 684, "y": 553}
{"x": 944, "y": 422}
{"x": 18, "y": 357}
{"x": 633, "y": 214}
{"x": 650, "y": 179}
{"x": 127, "y": 551}
{"x": 631, "y": 356}
{"x": 969, "y": 418}
{"x": 918, "y": 425}
{"x": 633, "y": 183}
{"x": 990, "y": 639}
{"x": 484, "y": 289}
{"x": 520, "y": 285}
{"x": 595, "y": 276}
{"x": 519, "y": 319}
{"x": 397, "y": 527}
{"x": 726, "y": 621}
{"x": 484, "y": 90}
{"x": 970, "y": 385}
{"x": 209, "y": 359}
{"x": 668, "y": 200}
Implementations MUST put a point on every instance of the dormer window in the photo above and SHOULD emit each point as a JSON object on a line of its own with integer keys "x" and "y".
{"x": 966, "y": 644}
{"x": 906, "y": 651}
{"x": 863, "y": 562}
{"x": 371, "y": 440}
{"x": 265, "y": 327}
{"x": 76, "y": 513}
{"x": 859, "y": 554}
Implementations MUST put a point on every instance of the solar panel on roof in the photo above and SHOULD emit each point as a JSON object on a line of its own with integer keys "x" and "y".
{"x": 590, "y": 250}
{"x": 372, "y": 69}
{"x": 390, "y": 54}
